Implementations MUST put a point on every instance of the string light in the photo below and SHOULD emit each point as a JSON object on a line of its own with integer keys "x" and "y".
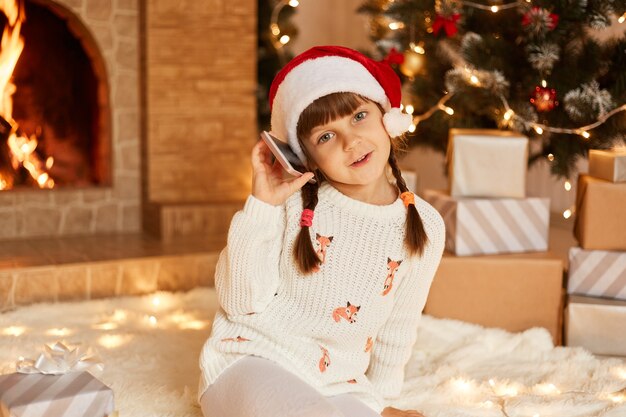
{"x": 622, "y": 18}
{"x": 493, "y": 9}
{"x": 538, "y": 129}
{"x": 550, "y": 157}
{"x": 409, "y": 109}
{"x": 567, "y": 185}
{"x": 275, "y": 29}
{"x": 396, "y": 25}
{"x": 567, "y": 214}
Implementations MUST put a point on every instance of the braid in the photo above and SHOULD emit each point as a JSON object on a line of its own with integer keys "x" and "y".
{"x": 305, "y": 255}
{"x": 416, "y": 237}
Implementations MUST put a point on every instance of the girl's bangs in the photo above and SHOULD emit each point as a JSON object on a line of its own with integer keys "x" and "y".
{"x": 327, "y": 109}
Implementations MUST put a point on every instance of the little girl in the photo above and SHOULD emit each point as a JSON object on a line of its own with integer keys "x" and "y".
{"x": 322, "y": 283}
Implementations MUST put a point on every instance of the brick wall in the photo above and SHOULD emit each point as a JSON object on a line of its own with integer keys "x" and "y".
{"x": 200, "y": 114}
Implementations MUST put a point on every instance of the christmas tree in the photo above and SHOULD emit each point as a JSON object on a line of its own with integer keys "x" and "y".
{"x": 537, "y": 67}
{"x": 274, "y": 31}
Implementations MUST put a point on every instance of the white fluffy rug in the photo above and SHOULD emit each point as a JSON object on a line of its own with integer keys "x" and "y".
{"x": 150, "y": 348}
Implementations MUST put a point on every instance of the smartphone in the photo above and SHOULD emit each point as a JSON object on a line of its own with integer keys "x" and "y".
{"x": 283, "y": 153}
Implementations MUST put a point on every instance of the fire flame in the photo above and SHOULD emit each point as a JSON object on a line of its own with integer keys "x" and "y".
{"x": 21, "y": 147}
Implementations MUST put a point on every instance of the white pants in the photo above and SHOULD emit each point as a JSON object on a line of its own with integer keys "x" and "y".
{"x": 257, "y": 387}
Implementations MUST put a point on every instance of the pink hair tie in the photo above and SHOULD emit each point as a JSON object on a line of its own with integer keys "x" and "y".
{"x": 307, "y": 218}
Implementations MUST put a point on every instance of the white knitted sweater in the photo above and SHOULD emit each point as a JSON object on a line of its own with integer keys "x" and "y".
{"x": 309, "y": 323}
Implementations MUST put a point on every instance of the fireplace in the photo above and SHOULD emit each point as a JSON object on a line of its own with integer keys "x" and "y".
{"x": 58, "y": 112}
{"x": 76, "y": 95}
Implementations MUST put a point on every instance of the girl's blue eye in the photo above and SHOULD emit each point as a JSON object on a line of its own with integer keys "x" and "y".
{"x": 325, "y": 138}
{"x": 360, "y": 115}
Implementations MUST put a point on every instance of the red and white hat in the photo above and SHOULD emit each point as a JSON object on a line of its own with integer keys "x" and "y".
{"x": 324, "y": 70}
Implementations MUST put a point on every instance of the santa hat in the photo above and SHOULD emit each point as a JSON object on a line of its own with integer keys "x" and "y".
{"x": 324, "y": 70}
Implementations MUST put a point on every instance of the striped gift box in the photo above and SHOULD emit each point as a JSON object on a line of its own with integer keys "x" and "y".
{"x": 77, "y": 394}
{"x": 481, "y": 226}
{"x": 597, "y": 273}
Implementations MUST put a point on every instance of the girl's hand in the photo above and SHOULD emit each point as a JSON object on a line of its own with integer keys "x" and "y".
{"x": 268, "y": 184}
{"x": 394, "y": 412}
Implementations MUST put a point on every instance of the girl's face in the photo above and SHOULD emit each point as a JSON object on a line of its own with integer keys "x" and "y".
{"x": 352, "y": 151}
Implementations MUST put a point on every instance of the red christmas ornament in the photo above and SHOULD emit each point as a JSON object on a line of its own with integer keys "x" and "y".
{"x": 448, "y": 23}
{"x": 544, "y": 99}
{"x": 394, "y": 57}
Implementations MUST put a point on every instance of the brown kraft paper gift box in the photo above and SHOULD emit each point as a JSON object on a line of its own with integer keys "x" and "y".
{"x": 513, "y": 292}
{"x": 600, "y": 207}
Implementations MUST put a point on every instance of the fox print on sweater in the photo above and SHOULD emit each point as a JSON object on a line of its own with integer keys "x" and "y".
{"x": 348, "y": 327}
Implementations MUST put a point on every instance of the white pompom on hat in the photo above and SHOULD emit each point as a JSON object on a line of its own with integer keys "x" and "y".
{"x": 325, "y": 70}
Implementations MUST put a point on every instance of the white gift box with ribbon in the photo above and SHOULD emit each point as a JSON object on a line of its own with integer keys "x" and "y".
{"x": 487, "y": 226}
{"x": 59, "y": 383}
{"x": 487, "y": 163}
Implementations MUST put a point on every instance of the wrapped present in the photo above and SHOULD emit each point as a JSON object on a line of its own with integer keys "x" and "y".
{"x": 600, "y": 221}
{"x": 608, "y": 165}
{"x": 597, "y": 273}
{"x": 487, "y": 163}
{"x": 597, "y": 324}
{"x": 57, "y": 384}
{"x": 476, "y": 226}
{"x": 513, "y": 292}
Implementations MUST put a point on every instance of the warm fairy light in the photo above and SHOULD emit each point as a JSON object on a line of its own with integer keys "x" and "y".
{"x": 617, "y": 397}
{"x": 152, "y": 320}
{"x": 487, "y": 404}
{"x": 619, "y": 371}
{"x": 409, "y": 109}
{"x": 396, "y": 25}
{"x": 401, "y": 106}
{"x": 550, "y": 157}
{"x": 284, "y": 39}
{"x": 119, "y": 315}
{"x": 474, "y": 80}
{"x": 59, "y": 332}
{"x": 294, "y": 3}
{"x": 546, "y": 389}
{"x": 492, "y": 382}
{"x": 567, "y": 185}
{"x": 14, "y": 331}
{"x": 412, "y": 128}
{"x": 495, "y": 9}
{"x": 447, "y": 109}
{"x": 508, "y": 114}
{"x": 544, "y": 83}
{"x": 461, "y": 384}
{"x": 193, "y": 325}
{"x": 538, "y": 129}
{"x": 622, "y": 18}
{"x": 49, "y": 162}
{"x": 567, "y": 214}
{"x": 418, "y": 48}
{"x": 105, "y": 326}
{"x": 505, "y": 390}
{"x": 585, "y": 134}
{"x": 112, "y": 341}
{"x": 275, "y": 29}
{"x": 20, "y": 358}
{"x": 156, "y": 301}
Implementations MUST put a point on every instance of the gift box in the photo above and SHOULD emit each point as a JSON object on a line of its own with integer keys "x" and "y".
{"x": 76, "y": 394}
{"x": 597, "y": 324}
{"x": 487, "y": 163}
{"x": 513, "y": 292}
{"x": 476, "y": 226}
{"x": 600, "y": 207}
{"x": 608, "y": 165}
{"x": 597, "y": 273}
